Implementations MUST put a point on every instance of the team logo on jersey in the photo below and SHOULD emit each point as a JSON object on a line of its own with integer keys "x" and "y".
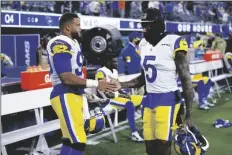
{"x": 60, "y": 48}
{"x": 183, "y": 45}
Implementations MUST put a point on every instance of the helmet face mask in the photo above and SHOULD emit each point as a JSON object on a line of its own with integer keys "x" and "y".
{"x": 190, "y": 142}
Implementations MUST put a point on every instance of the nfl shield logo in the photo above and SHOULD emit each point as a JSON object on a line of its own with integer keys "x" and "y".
{"x": 144, "y": 16}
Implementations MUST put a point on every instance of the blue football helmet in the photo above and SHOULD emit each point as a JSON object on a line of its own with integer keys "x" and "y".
{"x": 221, "y": 123}
{"x": 189, "y": 141}
{"x": 96, "y": 122}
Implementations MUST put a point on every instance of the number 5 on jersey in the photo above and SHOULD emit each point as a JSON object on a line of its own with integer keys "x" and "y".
{"x": 150, "y": 77}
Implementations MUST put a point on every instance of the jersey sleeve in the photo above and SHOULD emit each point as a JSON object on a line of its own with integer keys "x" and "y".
{"x": 61, "y": 55}
{"x": 180, "y": 44}
{"x": 100, "y": 75}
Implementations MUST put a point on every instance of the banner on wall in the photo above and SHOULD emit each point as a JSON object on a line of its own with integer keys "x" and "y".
{"x": 40, "y": 20}
{"x": 51, "y": 20}
{"x": 10, "y": 18}
{"x": 20, "y": 48}
{"x": 88, "y": 22}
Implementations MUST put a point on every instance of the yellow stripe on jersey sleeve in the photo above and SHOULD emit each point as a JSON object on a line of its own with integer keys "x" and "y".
{"x": 180, "y": 45}
{"x": 99, "y": 75}
{"x": 228, "y": 56}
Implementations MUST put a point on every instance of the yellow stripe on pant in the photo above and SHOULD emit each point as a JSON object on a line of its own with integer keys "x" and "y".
{"x": 159, "y": 121}
{"x": 69, "y": 109}
{"x": 198, "y": 77}
{"x": 120, "y": 102}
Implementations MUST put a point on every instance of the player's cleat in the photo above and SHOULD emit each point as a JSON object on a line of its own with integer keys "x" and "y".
{"x": 208, "y": 103}
{"x": 203, "y": 107}
{"x": 136, "y": 137}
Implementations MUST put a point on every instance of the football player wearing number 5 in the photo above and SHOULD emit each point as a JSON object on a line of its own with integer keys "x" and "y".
{"x": 162, "y": 57}
{"x": 67, "y": 97}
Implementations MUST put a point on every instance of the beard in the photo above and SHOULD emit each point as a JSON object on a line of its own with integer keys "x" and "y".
{"x": 77, "y": 36}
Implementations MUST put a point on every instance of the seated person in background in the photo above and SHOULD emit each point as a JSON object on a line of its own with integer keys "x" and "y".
{"x": 228, "y": 61}
{"x": 198, "y": 44}
{"x": 42, "y": 54}
{"x": 219, "y": 44}
{"x": 118, "y": 99}
{"x": 5, "y": 61}
{"x": 202, "y": 87}
{"x": 41, "y": 51}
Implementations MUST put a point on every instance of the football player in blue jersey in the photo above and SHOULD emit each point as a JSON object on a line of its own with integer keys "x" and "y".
{"x": 163, "y": 56}
{"x": 67, "y": 97}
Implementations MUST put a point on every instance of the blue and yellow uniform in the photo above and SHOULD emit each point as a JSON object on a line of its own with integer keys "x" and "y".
{"x": 104, "y": 72}
{"x": 68, "y": 102}
{"x": 162, "y": 101}
{"x": 202, "y": 85}
{"x": 120, "y": 102}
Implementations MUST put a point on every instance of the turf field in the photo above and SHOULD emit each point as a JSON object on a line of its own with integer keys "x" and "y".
{"x": 220, "y": 139}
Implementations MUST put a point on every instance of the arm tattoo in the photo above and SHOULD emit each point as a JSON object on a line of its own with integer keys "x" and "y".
{"x": 182, "y": 67}
{"x": 137, "y": 82}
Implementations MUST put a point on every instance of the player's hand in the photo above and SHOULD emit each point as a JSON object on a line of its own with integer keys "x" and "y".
{"x": 188, "y": 120}
{"x": 116, "y": 83}
{"x": 125, "y": 96}
{"x": 105, "y": 86}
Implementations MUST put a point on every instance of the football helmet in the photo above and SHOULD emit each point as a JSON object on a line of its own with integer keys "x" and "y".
{"x": 228, "y": 61}
{"x": 96, "y": 122}
{"x": 189, "y": 141}
{"x": 221, "y": 123}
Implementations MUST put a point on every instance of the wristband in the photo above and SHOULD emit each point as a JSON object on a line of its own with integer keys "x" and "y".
{"x": 116, "y": 94}
{"x": 91, "y": 83}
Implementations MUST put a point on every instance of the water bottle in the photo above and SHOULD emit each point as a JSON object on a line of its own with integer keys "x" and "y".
{"x": 199, "y": 54}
